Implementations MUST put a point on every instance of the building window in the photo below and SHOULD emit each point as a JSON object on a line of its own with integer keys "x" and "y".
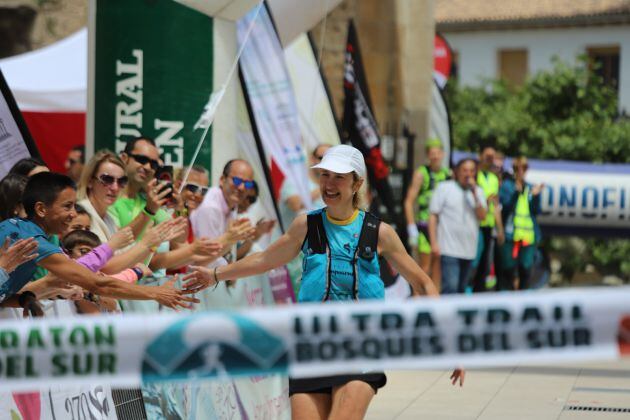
{"x": 513, "y": 66}
{"x": 607, "y": 64}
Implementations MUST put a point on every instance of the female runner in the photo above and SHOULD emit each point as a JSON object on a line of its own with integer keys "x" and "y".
{"x": 335, "y": 269}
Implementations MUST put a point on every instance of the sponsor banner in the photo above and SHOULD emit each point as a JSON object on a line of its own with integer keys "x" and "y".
{"x": 271, "y": 100}
{"x": 442, "y": 60}
{"x": 312, "y": 340}
{"x": 152, "y": 78}
{"x": 89, "y": 402}
{"x": 440, "y": 122}
{"x": 579, "y": 199}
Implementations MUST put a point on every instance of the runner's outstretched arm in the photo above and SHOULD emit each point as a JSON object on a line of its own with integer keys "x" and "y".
{"x": 279, "y": 253}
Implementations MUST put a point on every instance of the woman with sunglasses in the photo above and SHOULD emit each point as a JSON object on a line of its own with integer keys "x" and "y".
{"x": 101, "y": 182}
{"x": 329, "y": 239}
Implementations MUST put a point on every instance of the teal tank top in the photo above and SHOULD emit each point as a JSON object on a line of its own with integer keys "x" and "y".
{"x": 340, "y": 274}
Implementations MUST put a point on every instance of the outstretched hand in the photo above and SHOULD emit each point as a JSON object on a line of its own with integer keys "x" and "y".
{"x": 171, "y": 297}
{"x": 17, "y": 254}
{"x": 458, "y": 375}
{"x": 537, "y": 189}
{"x": 206, "y": 247}
{"x": 198, "y": 279}
{"x": 121, "y": 239}
{"x": 238, "y": 230}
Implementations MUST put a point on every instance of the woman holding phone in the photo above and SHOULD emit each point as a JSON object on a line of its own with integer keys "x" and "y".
{"x": 329, "y": 239}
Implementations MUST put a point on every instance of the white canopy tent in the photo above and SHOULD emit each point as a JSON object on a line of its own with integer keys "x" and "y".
{"x": 53, "y": 78}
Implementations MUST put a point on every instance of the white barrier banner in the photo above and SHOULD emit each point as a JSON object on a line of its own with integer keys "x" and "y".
{"x": 312, "y": 340}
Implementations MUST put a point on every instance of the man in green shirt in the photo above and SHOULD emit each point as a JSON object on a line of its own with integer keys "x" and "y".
{"x": 142, "y": 202}
{"x": 140, "y": 206}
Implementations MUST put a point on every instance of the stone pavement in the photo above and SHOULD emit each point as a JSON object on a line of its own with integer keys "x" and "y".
{"x": 527, "y": 392}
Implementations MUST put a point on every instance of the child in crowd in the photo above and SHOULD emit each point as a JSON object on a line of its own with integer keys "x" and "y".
{"x": 79, "y": 245}
{"x": 82, "y": 221}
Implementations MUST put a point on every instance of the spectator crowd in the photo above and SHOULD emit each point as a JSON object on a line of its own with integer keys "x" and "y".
{"x": 475, "y": 229}
{"x": 92, "y": 235}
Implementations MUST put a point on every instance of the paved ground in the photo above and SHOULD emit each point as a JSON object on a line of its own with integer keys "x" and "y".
{"x": 534, "y": 392}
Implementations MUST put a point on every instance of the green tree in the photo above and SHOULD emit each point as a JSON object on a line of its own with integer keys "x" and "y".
{"x": 563, "y": 113}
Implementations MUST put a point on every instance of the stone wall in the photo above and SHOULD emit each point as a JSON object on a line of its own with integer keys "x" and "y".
{"x": 53, "y": 20}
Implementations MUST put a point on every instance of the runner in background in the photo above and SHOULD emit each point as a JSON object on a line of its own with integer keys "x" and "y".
{"x": 489, "y": 183}
{"x": 334, "y": 253}
{"x": 425, "y": 180}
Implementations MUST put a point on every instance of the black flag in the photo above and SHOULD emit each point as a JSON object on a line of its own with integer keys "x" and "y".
{"x": 358, "y": 125}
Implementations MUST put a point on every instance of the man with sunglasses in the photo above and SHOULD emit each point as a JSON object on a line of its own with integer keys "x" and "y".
{"x": 144, "y": 197}
{"x": 215, "y": 217}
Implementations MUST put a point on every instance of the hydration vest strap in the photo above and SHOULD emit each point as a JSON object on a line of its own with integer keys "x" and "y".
{"x": 431, "y": 178}
{"x": 368, "y": 239}
{"x": 316, "y": 235}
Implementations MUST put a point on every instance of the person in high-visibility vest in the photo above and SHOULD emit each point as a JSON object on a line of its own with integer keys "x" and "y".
{"x": 521, "y": 205}
{"x": 489, "y": 183}
{"x": 425, "y": 179}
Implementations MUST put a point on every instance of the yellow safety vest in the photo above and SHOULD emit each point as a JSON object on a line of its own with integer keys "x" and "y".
{"x": 523, "y": 222}
{"x": 489, "y": 183}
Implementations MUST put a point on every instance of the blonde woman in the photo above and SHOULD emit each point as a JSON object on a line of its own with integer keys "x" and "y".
{"x": 101, "y": 182}
{"x": 332, "y": 253}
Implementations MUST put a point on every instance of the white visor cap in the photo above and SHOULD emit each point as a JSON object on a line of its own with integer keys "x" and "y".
{"x": 343, "y": 159}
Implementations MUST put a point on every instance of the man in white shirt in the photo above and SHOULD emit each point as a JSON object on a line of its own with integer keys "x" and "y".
{"x": 456, "y": 208}
{"x": 215, "y": 217}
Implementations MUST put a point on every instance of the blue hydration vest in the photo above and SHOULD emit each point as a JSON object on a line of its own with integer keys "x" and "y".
{"x": 341, "y": 261}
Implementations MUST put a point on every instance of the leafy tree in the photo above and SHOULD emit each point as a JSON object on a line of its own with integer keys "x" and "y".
{"x": 563, "y": 113}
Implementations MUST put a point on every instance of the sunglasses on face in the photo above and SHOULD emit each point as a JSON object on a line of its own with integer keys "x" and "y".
{"x": 109, "y": 180}
{"x": 143, "y": 160}
{"x": 194, "y": 189}
{"x": 249, "y": 184}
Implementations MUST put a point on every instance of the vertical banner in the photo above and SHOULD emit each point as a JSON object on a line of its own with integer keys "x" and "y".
{"x": 15, "y": 139}
{"x": 442, "y": 60}
{"x": 439, "y": 114}
{"x": 359, "y": 126}
{"x": 271, "y": 100}
{"x": 440, "y": 122}
{"x": 151, "y": 75}
{"x": 317, "y": 119}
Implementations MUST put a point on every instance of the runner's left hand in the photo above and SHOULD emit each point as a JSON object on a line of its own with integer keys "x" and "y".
{"x": 458, "y": 375}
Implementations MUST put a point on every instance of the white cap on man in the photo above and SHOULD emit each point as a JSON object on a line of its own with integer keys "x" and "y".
{"x": 343, "y": 159}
